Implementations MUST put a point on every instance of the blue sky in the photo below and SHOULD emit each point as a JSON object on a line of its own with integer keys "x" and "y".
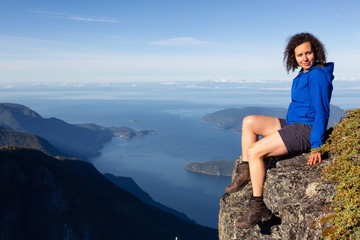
{"x": 173, "y": 40}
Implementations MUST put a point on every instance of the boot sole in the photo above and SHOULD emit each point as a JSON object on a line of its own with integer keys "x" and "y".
{"x": 239, "y": 188}
{"x": 265, "y": 217}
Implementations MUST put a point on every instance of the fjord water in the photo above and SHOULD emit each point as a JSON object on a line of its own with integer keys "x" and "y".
{"x": 156, "y": 162}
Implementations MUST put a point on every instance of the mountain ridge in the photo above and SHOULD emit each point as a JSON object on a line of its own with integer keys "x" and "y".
{"x": 22, "y": 139}
{"x": 128, "y": 184}
{"x": 46, "y": 197}
{"x": 78, "y": 140}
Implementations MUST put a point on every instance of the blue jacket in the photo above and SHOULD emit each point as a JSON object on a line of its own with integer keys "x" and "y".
{"x": 310, "y": 101}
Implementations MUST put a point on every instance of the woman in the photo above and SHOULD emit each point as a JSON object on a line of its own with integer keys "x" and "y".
{"x": 303, "y": 129}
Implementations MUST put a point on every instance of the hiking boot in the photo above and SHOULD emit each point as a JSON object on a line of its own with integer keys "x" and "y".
{"x": 257, "y": 211}
{"x": 241, "y": 179}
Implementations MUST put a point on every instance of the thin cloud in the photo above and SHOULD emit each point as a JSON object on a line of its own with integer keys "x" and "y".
{"x": 7, "y": 87}
{"x": 171, "y": 83}
{"x": 223, "y": 80}
{"x": 277, "y": 89}
{"x": 74, "y": 17}
{"x": 347, "y": 79}
{"x": 20, "y": 39}
{"x": 340, "y": 15}
{"x": 83, "y": 19}
{"x": 11, "y": 46}
{"x": 194, "y": 86}
{"x": 182, "y": 41}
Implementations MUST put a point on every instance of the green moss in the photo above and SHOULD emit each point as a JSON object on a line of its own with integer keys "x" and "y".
{"x": 328, "y": 232}
{"x": 344, "y": 146}
{"x": 326, "y": 219}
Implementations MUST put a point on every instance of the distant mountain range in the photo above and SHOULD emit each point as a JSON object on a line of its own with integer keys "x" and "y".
{"x": 232, "y": 117}
{"x": 77, "y": 140}
{"x": 43, "y": 197}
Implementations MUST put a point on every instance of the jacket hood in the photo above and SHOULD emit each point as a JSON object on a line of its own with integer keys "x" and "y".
{"x": 328, "y": 68}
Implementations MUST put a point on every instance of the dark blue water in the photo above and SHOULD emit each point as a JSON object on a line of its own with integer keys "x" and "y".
{"x": 156, "y": 162}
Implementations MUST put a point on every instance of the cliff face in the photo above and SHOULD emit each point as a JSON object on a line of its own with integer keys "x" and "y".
{"x": 296, "y": 195}
{"x": 29, "y": 200}
{"x": 42, "y": 197}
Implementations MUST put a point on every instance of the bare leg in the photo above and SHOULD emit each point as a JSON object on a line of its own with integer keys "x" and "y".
{"x": 254, "y": 151}
{"x": 252, "y": 127}
{"x": 271, "y": 145}
{"x": 256, "y": 125}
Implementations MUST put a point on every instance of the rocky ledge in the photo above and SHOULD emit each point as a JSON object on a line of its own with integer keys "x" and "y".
{"x": 294, "y": 192}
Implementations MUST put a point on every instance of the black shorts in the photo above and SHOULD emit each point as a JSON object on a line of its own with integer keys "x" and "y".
{"x": 296, "y": 136}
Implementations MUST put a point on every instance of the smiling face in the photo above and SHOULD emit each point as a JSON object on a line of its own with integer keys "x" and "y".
{"x": 304, "y": 55}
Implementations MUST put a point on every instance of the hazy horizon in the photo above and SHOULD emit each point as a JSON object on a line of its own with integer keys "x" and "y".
{"x": 346, "y": 94}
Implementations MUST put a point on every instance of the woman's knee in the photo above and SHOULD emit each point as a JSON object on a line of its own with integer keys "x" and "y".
{"x": 248, "y": 122}
{"x": 253, "y": 153}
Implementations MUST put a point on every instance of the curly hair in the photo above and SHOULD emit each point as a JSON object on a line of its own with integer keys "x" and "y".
{"x": 298, "y": 39}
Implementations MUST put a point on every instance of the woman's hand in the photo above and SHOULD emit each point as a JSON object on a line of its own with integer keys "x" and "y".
{"x": 314, "y": 157}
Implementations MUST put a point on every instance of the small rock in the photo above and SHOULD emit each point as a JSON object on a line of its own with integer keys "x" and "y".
{"x": 311, "y": 189}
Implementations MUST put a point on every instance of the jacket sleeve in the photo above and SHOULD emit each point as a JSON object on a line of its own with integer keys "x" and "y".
{"x": 320, "y": 92}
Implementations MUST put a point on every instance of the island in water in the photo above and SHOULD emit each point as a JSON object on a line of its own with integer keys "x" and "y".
{"x": 217, "y": 168}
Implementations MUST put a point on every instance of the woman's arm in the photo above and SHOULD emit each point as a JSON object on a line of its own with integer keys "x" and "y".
{"x": 320, "y": 92}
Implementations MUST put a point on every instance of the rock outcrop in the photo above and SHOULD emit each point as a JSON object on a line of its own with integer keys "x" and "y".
{"x": 294, "y": 192}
